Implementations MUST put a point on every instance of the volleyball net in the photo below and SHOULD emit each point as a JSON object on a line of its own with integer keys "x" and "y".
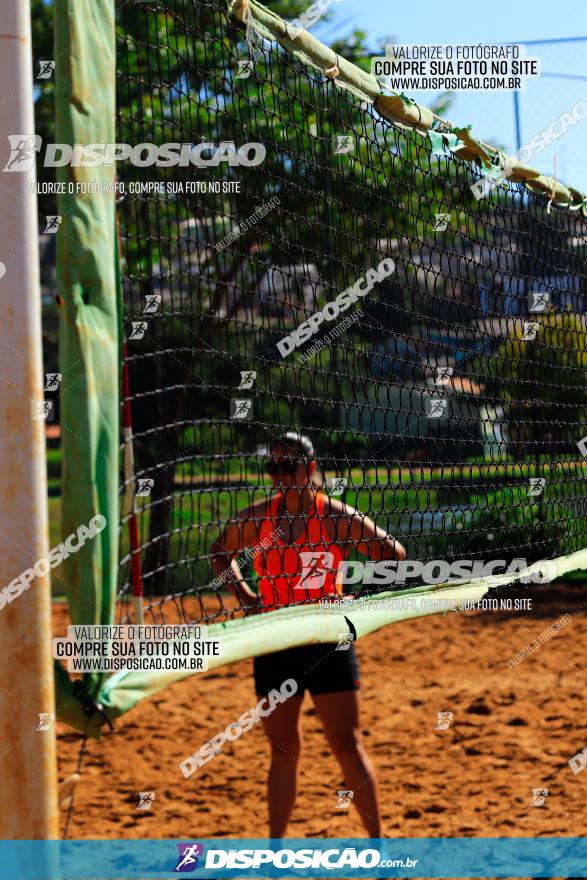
{"x": 446, "y": 402}
{"x": 301, "y": 249}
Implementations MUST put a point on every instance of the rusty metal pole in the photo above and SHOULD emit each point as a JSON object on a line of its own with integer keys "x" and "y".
{"x": 28, "y": 779}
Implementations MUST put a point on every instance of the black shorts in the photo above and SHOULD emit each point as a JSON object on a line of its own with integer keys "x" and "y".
{"x": 319, "y": 668}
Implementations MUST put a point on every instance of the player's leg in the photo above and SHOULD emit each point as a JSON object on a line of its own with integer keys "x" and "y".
{"x": 339, "y": 713}
{"x": 282, "y": 729}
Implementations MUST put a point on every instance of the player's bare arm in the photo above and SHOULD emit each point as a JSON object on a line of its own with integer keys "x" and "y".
{"x": 239, "y": 533}
{"x": 354, "y": 527}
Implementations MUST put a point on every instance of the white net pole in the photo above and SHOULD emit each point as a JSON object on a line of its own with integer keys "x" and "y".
{"x": 27, "y": 754}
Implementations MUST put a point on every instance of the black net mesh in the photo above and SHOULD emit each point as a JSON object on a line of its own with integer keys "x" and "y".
{"x": 440, "y": 397}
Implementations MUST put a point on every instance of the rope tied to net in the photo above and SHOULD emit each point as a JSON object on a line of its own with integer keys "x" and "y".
{"x": 334, "y": 71}
{"x": 242, "y": 10}
{"x": 577, "y": 207}
{"x": 90, "y": 708}
{"x": 77, "y": 776}
{"x": 402, "y": 111}
{"x": 238, "y": 8}
{"x": 553, "y": 190}
{"x": 569, "y": 206}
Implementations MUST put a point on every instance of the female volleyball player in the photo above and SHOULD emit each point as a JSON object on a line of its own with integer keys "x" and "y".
{"x": 300, "y": 519}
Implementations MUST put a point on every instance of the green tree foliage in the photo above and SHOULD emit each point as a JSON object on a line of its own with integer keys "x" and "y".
{"x": 177, "y": 84}
{"x": 542, "y": 384}
{"x": 44, "y": 93}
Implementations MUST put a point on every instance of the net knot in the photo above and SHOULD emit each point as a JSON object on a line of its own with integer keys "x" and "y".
{"x": 332, "y": 72}
{"x": 580, "y": 205}
{"x": 239, "y": 8}
{"x": 90, "y": 706}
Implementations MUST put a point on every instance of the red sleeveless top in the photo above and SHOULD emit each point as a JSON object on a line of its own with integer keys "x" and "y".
{"x": 303, "y": 570}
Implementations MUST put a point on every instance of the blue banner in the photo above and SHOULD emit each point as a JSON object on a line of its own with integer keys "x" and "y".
{"x": 312, "y": 857}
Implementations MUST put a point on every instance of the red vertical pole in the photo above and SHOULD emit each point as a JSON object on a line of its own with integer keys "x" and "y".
{"x": 129, "y": 476}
